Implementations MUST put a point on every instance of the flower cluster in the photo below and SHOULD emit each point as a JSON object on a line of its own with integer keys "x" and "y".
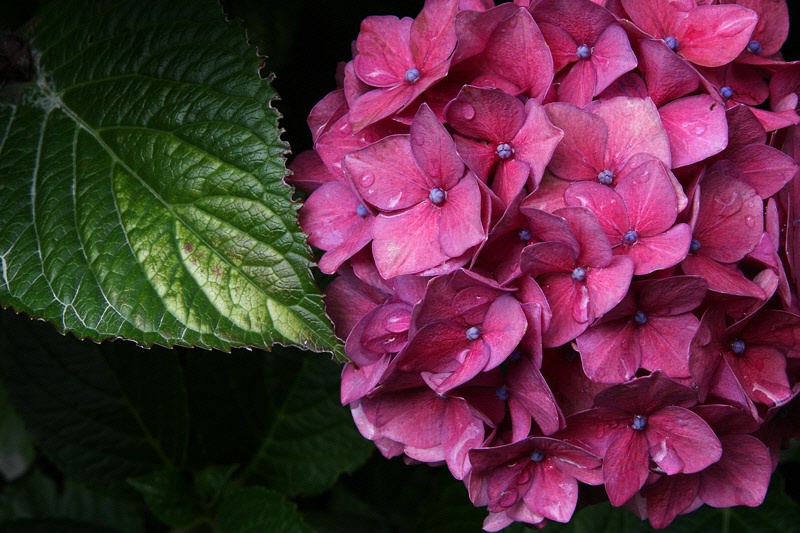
{"x": 565, "y": 233}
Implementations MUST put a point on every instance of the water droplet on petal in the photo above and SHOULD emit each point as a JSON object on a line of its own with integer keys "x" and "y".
{"x": 750, "y": 221}
{"x": 366, "y": 179}
{"x": 467, "y": 111}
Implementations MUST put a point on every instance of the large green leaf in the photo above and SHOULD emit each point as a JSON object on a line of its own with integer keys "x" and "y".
{"x": 256, "y": 509}
{"x": 102, "y": 413}
{"x": 141, "y": 183}
{"x": 277, "y": 415}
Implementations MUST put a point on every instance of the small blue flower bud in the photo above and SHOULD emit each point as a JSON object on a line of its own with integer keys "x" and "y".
{"x": 754, "y": 47}
{"x": 524, "y": 235}
{"x": 473, "y": 333}
{"x": 584, "y": 52}
{"x": 412, "y": 75}
{"x": 362, "y": 210}
{"x": 537, "y": 456}
{"x": 502, "y": 392}
{"x": 694, "y": 245}
{"x": 672, "y": 43}
{"x": 437, "y": 195}
{"x": 606, "y": 177}
{"x": 726, "y": 92}
{"x": 579, "y": 274}
{"x": 630, "y": 237}
{"x": 639, "y": 423}
{"x": 738, "y": 347}
{"x": 504, "y": 150}
{"x": 640, "y": 318}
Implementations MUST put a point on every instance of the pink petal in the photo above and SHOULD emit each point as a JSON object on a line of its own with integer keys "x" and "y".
{"x": 488, "y": 114}
{"x": 773, "y": 23}
{"x": 545, "y": 257}
{"x": 433, "y": 34}
{"x": 696, "y": 128}
{"x": 503, "y": 328}
{"x": 722, "y": 278}
{"x": 649, "y": 197}
{"x": 712, "y": 36}
{"x": 516, "y": 36}
{"x": 657, "y": 252}
{"x": 606, "y": 352}
{"x": 741, "y": 476}
{"x": 387, "y": 175}
{"x": 762, "y": 372}
{"x": 612, "y": 57}
{"x": 680, "y": 441}
{"x": 625, "y": 466}
{"x": 566, "y": 298}
{"x": 595, "y": 250}
{"x": 530, "y": 394}
{"x": 435, "y": 150}
{"x": 580, "y": 155}
{"x": 536, "y": 141}
{"x": 765, "y": 168}
{"x": 668, "y": 497}
{"x": 672, "y": 296}
{"x": 605, "y": 203}
{"x": 553, "y": 493}
{"x": 460, "y": 226}
{"x": 667, "y": 76}
{"x": 634, "y": 126}
{"x": 308, "y": 172}
{"x": 461, "y": 432}
{"x": 656, "y": 18}
{"x": 664, "y": 343}
{"x": 510, "y": 179}
{"x": 384, "y": 50}
{"x": 379, "y": 103}
{"x": 607, "y": 286}
{"x": 579, "y": 85}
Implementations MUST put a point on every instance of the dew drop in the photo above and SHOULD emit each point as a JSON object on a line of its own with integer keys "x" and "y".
{"x": 750, "y": 221}
{"x": 366, "y": 179}
{"x": 467, "y": 111}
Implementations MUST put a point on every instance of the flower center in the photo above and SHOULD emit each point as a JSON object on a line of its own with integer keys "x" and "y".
{"x": 502, "y": 392}
{"x": 630, "y": 237}
{"x": 606, "y": 177}
{"x": 672, "y": 43}
{"x": 726, "y": 92}
{"x": 504, "y": 150}
{"x": 524, "y": 235}
{"x": 579, "y": 274}
{"x": 640, "y": 317}
{"x": 639, "y": 423}
{"x": 437, "y": 195}
{"x": 738, "y": 347}
{"x": 584, "y": 52}
{"x": 754, "y": 47}
{"x": 473, "y": 333}
{"x": 362, "y": 210}
{"x": 537, "y": 456}
{"x": 412, "y": 75}
{"x": 694, "y": 245}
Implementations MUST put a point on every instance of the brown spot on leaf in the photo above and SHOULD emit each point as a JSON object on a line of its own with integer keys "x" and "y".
{"x": 188, "y": 247}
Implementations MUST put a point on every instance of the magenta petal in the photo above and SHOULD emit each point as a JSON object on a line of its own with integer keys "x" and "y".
{"x": 510, "y": 179}
{"x": 580, "y": 155}
{"x": 433, "y": 34}
{"x": 723, "y": 278}
{"x": 578, "y": 86}
{"x": 530, "y": 394}
{"x": 536, "y": 140}
{"x": 503, "y": 328}
{"x": 762, "y": 372}
{"x": 649, "y": 197}
{"x": 384, "y": 50}
{"x": 387, "y": 175}
{"x": 595, "y": 250}
{"x": 607, "y": 286}
{"x": 634, "y": 126}
{"x": 568, "y": 299}
{"x": 741, "y": 476}
{"x": 516, "y": 36}
{"x": 651, "y": 253}
{"x": 379, "y": 103}
{"x": 672, "y": 296}
{"x": 461, "y": 432}
{"x": 408, "y": 242}
{"x": 765, "y": 168}
{"x": 668, "y": 497}
{"x": 646, "y": 395}
{"x": 435, "y": 150}
{"x": 712, "y": 36}
{"x": 664, "y": 343}
{"x": 667, "y": 76}
{"x": 553, "y": 493}
{"x": 680, "y": 441}
{"x": 605, "y": 203}
{"x": 544, "y": 257}
{"x": 625, "y": 466}
{"x": 489, "y": 114}
{"x": 656, "y": 18}
{"x": 460, "y": 225}
{"x": 696, "y": 128}
{"x": 606, "y": 352}
{"x": 612, "y": 56}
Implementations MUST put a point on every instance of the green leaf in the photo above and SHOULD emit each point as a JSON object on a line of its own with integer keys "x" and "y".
{"x": 35, "y": 496}
{"x": 142, "y": 192}
{"x": 256, "y": 509}
{"x": 16, "y": 445}
{"x": 277, "y": 414}
{"x": 49, "y": 525}
{"x": 102, "y": 413}
{"x": 170, "y": 495}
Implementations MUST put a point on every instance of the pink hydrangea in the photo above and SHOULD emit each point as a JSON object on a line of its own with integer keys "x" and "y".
{"x": 566, "y": 246}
